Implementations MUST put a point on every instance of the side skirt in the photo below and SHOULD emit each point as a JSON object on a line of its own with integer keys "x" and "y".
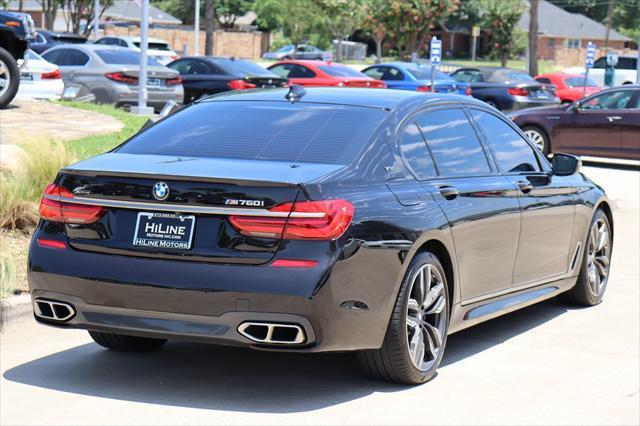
{"x": 468, "y": 315}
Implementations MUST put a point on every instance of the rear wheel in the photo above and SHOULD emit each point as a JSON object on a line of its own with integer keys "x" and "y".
{"x": 121, "y": 342}
{"x": 594, "y": 272}
{"x": 538, "y": 137}
{"x": 417, "y": 333}
{"x": 9, "y": 78}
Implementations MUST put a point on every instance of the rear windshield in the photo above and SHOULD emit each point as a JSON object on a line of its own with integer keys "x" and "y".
{"x": 122, "y": 57}
{"x": 579, "y": 82}
{"x": 245, "y": 67}
{"x": 154, "y": 46}
{"x": 341, "y": 71}
{"x": 269, "y": 131}
{"x": 424, "y": 73}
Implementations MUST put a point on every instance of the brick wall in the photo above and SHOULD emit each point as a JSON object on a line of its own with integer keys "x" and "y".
{"x": 246, "y": 45}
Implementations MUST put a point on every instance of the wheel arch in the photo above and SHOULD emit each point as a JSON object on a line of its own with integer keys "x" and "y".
{"x": 439, "y": 249}
{"x": 606, "y": 208}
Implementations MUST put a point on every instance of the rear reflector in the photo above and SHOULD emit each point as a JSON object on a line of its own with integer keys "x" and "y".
{"x": 54, "y": 210}
{"x": 518, "y": 91}
{"x": 467, "y": 91}
{"x": 240, "y": 85}
{"x": 42, "y": 242}
{"x": 308, "y": 220}
{"x": 287, "y": 263}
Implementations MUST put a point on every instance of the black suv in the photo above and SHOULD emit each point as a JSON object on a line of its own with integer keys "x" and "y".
{"x": 15, "y": 31}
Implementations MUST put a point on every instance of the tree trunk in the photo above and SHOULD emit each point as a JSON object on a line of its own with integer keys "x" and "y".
{"x": 504, "y": 57}
{"x": 208, "y": 17}
{"x": 533, "y": 38}
{"x": 609, "y": 17}
{"x": 378, "y": 36}
{"x": 338, "y": 57}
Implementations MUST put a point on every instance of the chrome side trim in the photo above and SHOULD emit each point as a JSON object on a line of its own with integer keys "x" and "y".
{"x": 182, "y": 208}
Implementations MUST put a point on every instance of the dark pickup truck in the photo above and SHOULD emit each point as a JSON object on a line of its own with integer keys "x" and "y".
{"x": 15, "y": 31}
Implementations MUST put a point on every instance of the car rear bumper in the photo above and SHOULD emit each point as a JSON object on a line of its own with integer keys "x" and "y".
{"x": 523, "y": 102}
{"x": 41, "y": 89}
{"x": 208, "y": 302}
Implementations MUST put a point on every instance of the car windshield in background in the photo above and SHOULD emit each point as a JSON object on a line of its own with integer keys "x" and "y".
{"x": 340, "y": 71}
{"x": 579, "y": 82}
{"x": 518, "y": 76}
{"x": 267, "y": 131}
{"x": 245, "y": 67}
{"x": 122, "y": 57}
{"x": 284, "y": 49}
{"x": 424, "y": 73}
{"x": 154, "y": 46}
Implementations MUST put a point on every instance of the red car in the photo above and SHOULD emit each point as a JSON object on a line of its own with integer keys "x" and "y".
{"x": 569, "y": 87}
{"x": 321, "y": 73}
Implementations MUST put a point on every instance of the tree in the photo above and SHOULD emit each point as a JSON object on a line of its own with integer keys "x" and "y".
{"x": 342, "y": 18}
{"x": 208, "y": 27}
{"x": 533, "y": 38}
{"x": 297, "y": 19}
{"x": 376, "y": 13}
{"x": 227, "y": 11}
{"x": 79, "y": 10}
{"x": 500, "y": 18}
{"x": 50, "y": 11}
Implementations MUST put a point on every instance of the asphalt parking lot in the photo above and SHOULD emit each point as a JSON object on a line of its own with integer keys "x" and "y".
{"x": 545, "y": 364}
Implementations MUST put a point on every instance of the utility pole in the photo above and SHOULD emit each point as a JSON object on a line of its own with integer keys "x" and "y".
{"x": 533, "y": 39}
{"x": 142, "y": 108}
{"x": 196, "y": 25}
{"x": 96, "y": 18}
{"x": 638, "y": 64}
{"x": 609, "y": 18}
{"x": 208, "y": 28}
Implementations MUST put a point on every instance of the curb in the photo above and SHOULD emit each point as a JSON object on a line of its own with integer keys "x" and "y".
{"x": 14, "y": 308}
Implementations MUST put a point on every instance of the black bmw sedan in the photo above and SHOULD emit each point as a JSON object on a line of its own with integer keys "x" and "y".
{"x": 330, "y": 219}
{"x": 207, "y": 75}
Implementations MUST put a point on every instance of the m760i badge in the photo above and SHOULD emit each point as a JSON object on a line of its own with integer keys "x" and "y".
{"x": 248, "y": 203}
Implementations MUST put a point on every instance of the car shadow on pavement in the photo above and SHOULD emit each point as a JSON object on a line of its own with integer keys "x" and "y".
{"x": 233, "y": 379}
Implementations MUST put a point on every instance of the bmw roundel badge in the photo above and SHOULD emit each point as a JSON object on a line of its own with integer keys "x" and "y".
{"x": 160, "y": 191}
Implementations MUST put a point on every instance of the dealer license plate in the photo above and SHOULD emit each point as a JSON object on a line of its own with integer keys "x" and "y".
{"x": 164, "y": 231}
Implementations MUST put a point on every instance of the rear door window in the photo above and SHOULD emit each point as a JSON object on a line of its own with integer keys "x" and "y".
{"x": 122, "y": 57}
{"x": 54, "y": 56}
{"x": 513, "y": 154}
{"x": 455, "y": 146}
{"x": 415, "y": 152}
{"x": 267, "y": 131}
{"x": 292, "y": 71}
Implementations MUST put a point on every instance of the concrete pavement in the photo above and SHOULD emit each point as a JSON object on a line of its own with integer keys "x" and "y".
{"x": 546, "y": 364}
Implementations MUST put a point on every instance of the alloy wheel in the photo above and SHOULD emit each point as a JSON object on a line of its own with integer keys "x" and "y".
{"x": 426, "y": 317}
{"x": 5, "y": 78}
{"x": 535, "y": 137}
{"x": 598, "y": 256}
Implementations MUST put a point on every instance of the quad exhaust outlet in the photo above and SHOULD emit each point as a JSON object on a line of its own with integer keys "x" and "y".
{"x": 53, "y": 311}
{"x": 273, "y": 333}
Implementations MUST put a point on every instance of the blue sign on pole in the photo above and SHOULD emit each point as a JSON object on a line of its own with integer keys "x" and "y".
{"x": 591, "y": 54}
{"x": 435, "y": 52}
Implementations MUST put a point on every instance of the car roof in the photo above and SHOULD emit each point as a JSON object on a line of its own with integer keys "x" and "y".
{"x": 90, "y": 47}
{"x": 136, "y": 38}
{"x": 361, "y": 97}
{"x": 309, "y": 62}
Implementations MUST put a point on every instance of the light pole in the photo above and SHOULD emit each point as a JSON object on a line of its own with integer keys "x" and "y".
{"x": 196, "y": 24}
{"x": 638, "y": 64}
{"x": 142, "y": 108}
{"x": 96, "y": 18}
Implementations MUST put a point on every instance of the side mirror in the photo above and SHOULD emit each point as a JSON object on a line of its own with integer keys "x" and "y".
{"x": 576, "y": 106}
{"x": 565, "y": 164}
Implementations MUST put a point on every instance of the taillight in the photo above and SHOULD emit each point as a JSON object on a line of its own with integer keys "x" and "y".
{"x": 121, "y": 78}
{"x": 174, "y": 57}
{"x": 174, "y": 81}
{"x": 240, "y": 85}
{"x": 290, "y": 263}
{"x": 425, "y": 88}
{"x": 53, "y": 75}
{"x": 43, "y": 242}
{"x": 52, "y": 207}
{"x": 379, "y": 84}
{"x": 518, "y": 91}
{"x": 467, "y": 91}
{"x": 313, "y": 220}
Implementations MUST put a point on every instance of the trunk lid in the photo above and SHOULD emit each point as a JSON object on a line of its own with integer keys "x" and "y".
{"x": 172, "y": 207}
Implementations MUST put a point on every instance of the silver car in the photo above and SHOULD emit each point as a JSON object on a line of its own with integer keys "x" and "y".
{"x": 111, "y": 74}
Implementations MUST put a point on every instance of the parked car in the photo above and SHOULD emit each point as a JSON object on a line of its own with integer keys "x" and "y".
{"x": 318, "y": 219}
{"x": 303, "y": 51}
{"x": 569, "y": 87}
{"x": 506, "y": 89}
{"x": 626, "y": 70}
{"x": 606, "y": 124}
{"x": 157, "y": 49}
{"x": 111, "y": 74}
{"x": 416, "y": 77}
{"x": 45, "y": 39}
{"x": 14, "y": 42}
{"x": 321, "y": 73}
{"x": 207, "y": 75}
{"x": 40, "y": 79}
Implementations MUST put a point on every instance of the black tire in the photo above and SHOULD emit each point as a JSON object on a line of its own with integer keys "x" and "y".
{"x": 10, "y": 67}
{"x": 492, "y": 103}
{"x": 583, "y": 294}
{"x": 121, "y": 342}
{"x": 544, "y": 146}
{"x": 392, "y": 362}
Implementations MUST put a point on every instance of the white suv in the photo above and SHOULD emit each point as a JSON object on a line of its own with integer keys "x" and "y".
{"x": 158, "y": 49}
{"x": 626, "y": 70}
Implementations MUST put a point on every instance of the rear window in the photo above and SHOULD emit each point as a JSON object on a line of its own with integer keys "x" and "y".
{"x": 122, "y": 57}
{"x": 340, "y": 71}
{"x": 244, "y": 67}
{"x": 268, "y": 131}
{"x": 154, "y": 46}
{"x": 424, "y": 73}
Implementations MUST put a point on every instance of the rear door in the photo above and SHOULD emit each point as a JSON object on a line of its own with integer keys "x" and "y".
{"x": 630, "y": 122}
{"x": 546, "y": 201}
{"x": 481, "y": 207}
{"x": 200, "y": 78}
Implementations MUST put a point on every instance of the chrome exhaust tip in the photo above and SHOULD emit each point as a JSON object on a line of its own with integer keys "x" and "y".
{"x": 273, "y": 333}
{"x": 53, "y": 311}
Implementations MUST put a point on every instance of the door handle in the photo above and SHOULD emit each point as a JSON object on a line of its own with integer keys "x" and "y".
{"x": 612, "y": 118}
{"x": 449, "y": 192}
{"x": 525, "y": 186}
